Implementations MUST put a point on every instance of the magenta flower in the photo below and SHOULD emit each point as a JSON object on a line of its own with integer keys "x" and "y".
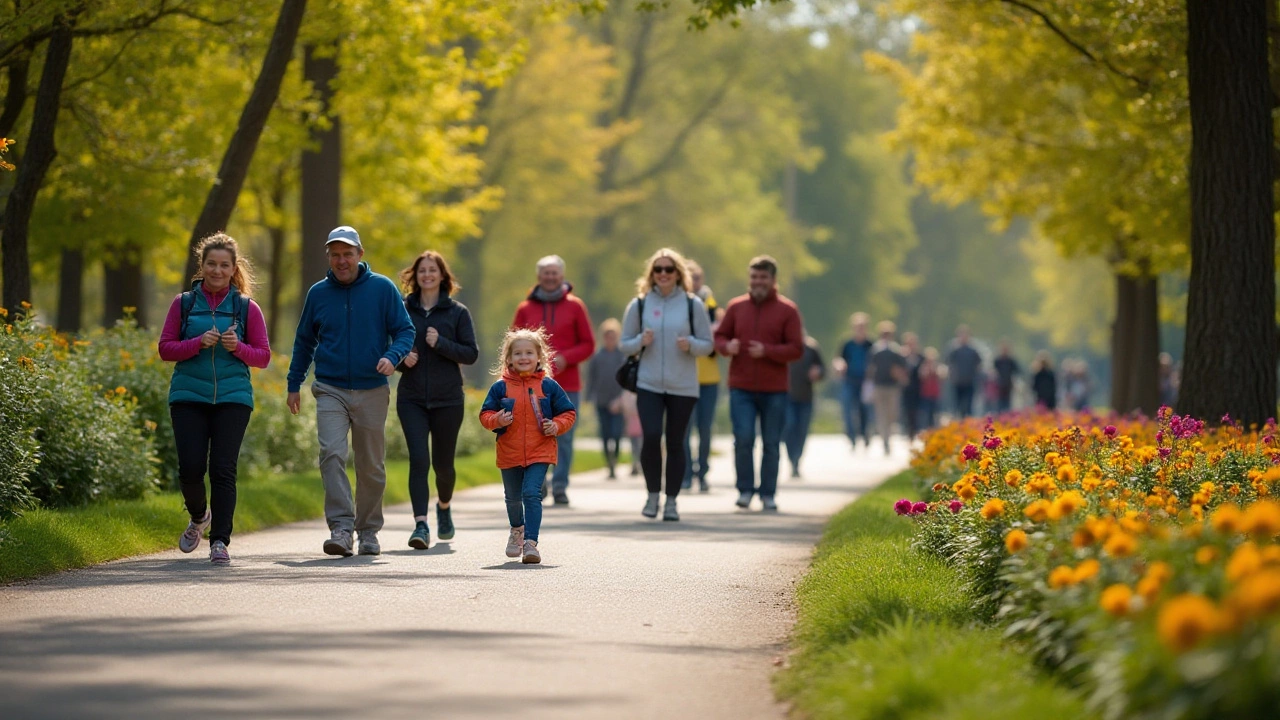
{"x": 992, "y": 443}
{"x": 1110, "y": 431}
{"x": 1165, "y": 452}
{"x": 920, "y": 508}
{"x": 1159, "y": 436}
{"x": 902, "y": 507}
{"x": 971, "y": 452}
{"x": 955, "y": 506}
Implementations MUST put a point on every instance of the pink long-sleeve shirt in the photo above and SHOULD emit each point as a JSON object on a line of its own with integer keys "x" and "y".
{"x": 255, "y": 350}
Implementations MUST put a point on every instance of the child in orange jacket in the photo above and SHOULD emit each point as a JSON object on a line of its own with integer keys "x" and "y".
{"x": 527, "y": 410}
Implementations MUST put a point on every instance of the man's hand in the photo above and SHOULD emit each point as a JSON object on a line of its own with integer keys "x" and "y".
{"x": 433, "y": 336}
{"x": 733, "y": 347}
{"x": 385, "y": 367}
{"x": 559, "y": 363}
{"x": 411, "y": 359}
{"x": 682, "y": 342}
{"x": 840, "y": 366}
{"x": 755, "y": 349}
{"x": 230, "y": 341}
{"x": 549, "y": 428}
{"x": 815, "y": 373}
{"x": 210, "y": 338}
{"x": 505, "y": 418}
{"x": 294, "y": 402}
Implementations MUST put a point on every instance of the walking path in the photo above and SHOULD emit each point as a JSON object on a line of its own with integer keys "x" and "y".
{"x": 625, "y": 618}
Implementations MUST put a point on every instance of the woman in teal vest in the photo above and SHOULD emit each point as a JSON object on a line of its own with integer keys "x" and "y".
{"x": 214, "y": 333}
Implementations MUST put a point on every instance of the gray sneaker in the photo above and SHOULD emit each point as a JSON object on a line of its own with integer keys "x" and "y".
{"x": 218, "y": 553}
{"x": 669, "y": 512}
{"x": 531, "y": 554}
{"x": 369, "y": 544}
{"x": 744, "y": 499}
{"x": 650, "y": 506}
{"x": 190, "y": 539}
{"x": 339, "y": 543}
{"x": 769, "y": 504}
{"x": 515, "y": 542}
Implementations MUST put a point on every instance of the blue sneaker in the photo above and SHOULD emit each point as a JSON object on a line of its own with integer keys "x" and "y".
{"x": 421, "y": 537}
{"x": 444, "y": 522}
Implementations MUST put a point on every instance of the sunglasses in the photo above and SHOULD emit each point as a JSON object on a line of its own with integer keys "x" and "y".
{"x": 664, "y": 268}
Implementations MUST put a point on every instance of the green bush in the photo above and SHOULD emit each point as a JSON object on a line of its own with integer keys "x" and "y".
{"x": 18, "y": 446}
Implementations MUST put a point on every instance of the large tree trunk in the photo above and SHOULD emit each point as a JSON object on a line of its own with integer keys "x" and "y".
{"x": 1135, "y": 345}
{"x": 1230, "y": 364}
{"x": 36, "y": 160}
{"x": 122, "y": 287}
{"x": 321, "y": 172}
{"x": 70, "y": 291}
{"x": 222, "y": 197}
{"x": 276, "y": 278}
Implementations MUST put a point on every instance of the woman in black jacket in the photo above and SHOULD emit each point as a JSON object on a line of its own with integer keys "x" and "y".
{"x": 429, "y": 400}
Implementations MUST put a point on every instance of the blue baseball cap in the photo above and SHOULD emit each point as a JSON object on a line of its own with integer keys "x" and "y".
{"x": 346, "y": 234}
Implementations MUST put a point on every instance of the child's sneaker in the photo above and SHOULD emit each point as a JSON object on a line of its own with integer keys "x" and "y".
{"x": 531, "y": 554}
{"x": 218, "y": 553}
{"x": 421, "y": 537}
{"x": 515, "y": 542}
{"x": 190, "y": 539}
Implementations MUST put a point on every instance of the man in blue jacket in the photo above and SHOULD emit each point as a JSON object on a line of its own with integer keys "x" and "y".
{"x": 355, "y": 327}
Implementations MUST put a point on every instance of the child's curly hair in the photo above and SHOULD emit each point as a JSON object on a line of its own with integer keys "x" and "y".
{"x": 540, "y": 342}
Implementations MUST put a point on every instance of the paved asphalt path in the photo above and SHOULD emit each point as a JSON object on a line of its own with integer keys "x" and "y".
{"x": 625, "y": 618}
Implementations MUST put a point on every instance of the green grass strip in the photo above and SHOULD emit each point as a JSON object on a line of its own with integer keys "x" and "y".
{"x": 47, "y": 541}
{"x": 885, "y": 631}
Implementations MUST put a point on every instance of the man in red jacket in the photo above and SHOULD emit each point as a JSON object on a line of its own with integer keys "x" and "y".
{"x": 553, "y": 306}
{"x": 762, "y": 332}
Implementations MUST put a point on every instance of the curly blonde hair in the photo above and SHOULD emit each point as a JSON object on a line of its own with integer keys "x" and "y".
{"x": 645, "y": 282}
{"x": 540, "y": 342}
{"x": 241, "y": 277}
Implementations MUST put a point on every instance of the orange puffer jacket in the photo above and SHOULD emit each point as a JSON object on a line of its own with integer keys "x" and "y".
{"x": 522, "y": 443}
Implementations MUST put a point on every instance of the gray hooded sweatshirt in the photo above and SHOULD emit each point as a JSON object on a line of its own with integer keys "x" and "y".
{"x": 664, "y": 367}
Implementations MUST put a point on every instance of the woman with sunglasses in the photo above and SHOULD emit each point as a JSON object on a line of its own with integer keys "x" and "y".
{"x": 670, "y": 328}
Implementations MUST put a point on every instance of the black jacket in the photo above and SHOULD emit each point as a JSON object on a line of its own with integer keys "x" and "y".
{"x": 436, "y": 381}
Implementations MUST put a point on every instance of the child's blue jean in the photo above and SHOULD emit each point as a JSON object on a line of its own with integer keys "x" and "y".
{"x": 522, "y": 487}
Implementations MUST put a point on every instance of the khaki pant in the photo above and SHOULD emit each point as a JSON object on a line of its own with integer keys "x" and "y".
{"x": 887, "y": 398}
{"x": 363, "y": 414}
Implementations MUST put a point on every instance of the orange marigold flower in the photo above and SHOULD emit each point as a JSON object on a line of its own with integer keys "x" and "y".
{"x": 1226, "y": 519}
{"x": 1038, "y": 510}
{"x": 1206, "y": 554}
{"x": 1067, "y": 473}
{"x": 1186, "y": 620}
{"x": 1120, "y": 544}
{"x": 120, "y": 390}
{"x": 1262, "y": 519}
{"x": 1116, "y": 599}
{"x": 1259, "y": 594}
{"x": 1013, "y": 478}
{"x": 1015, "y": 541}
{"x": 1087, "y": 570}
{"x": 992, "y": 509}
{"x": 1245, "y": 561}
{"x": 1062, "y": 576}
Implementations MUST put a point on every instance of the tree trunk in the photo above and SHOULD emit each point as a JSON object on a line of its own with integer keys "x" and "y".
{"x": 1135, "y": 343}
{"x": 321, "y": 173}
{"x": 70, "y": 291}
{"x": 122, "y": 288}
{"x": 471, "y": 266}
{"x": 1122, "y": 337}
{"x": 1230, "y": 364}
{"x": 276, "y": 278}
{"x": 39, "y": 155}
{"x": 221, "y": 201}
{"x": 15, "y": 96}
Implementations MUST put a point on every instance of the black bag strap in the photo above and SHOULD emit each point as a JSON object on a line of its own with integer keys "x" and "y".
{"x": 188, "y": 302}
{"x": 640, "y": 321}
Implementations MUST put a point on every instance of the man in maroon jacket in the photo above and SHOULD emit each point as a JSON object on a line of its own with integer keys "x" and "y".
{"x": 762, "y": 332}
{"x": 552, "y": 306}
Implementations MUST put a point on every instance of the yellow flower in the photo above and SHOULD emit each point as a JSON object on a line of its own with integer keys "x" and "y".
{"x": 4, "y": 312}
{"x": 1206, "y": 554}
{"x": 120, "y": 390}
{"x": 1115, "y": 599}
{"x": 1258, "y": 594}
{"x": 992, "y": 509}
{"x": 1120, "y": 544}
{"x": 1245, "y": 561}
{"x": 1066, "y": 503}
{"x": 1013, "y": 478}
{"x": 1186, "y": 620}
{"x": 1062, "y": 576}
{"x": 1087, "y": 570}
{"x": 1038, "y": 511}
{"x": 1067, "y": 474}
{"x": 1015, "y": 541}
{"x": 968, "y": 492}
{"x": 1226, "y": 519}
{"x": 1261, "y": 519}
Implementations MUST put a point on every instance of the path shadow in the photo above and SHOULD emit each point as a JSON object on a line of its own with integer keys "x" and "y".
{"x": 517, "y": 565}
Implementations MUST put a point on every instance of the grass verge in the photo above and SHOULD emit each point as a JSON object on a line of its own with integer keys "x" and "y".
{"x": 885, "y": 631}
{"x": 47, "y": 541}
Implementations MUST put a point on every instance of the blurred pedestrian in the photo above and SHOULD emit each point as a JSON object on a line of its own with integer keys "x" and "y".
{"x": 803, "y": 375}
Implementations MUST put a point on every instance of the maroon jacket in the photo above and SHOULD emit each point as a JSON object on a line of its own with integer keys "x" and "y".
{"x": 775, "y": 322}
{"x": 569, "y": 326}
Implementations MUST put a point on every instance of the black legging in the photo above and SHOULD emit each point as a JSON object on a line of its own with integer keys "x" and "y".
{"x": 209, "y": 436}
{"x": 651, "y": 407}
{"x": 442, "y": 424}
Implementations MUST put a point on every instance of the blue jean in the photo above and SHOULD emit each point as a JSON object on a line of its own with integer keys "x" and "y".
{"x": 745, "y": 406}
{"x": 564, "y": 453}
{"x": 853, "y": 409}
{"x": 704, "y": 415}
{"x": 522, "y": 488}
{"x": 796, "y": 430}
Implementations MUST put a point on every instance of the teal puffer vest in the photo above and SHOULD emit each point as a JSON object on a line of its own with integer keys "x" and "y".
{"x": 215, "y": 375}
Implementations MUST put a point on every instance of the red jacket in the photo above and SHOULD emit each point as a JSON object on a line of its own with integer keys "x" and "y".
{"x": 775, "y": 322}
{"x": 522, "y": 443}
{"x": 569, "y": 326}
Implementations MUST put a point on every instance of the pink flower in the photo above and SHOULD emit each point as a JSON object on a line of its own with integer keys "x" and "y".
{"x": 992, "y": 443}
{"x": 1165, "y": 452}
{"x": 955, "y": 506}
{"x": 1159, "y": 436}
{"x": 902, "y": 507}
{"x": 971, "y": 452}
{"x": 920, "y": 508}
{"x": 1109, "y": 431}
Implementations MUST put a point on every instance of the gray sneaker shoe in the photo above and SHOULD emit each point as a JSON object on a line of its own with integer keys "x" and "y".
{"x": 369, "y": 544}
{"x": 190, "y": 539}
{"x": 769, "y": 504}
{"x": 531, "y": 554}
{"x": 650, "y": 506}
{"x": 339, "y": 543}
{"x": 669, "y": 512}
{"x": 218, "y": 553}
{"x": 515, "y": 542}
{"x": 744, "y": 499}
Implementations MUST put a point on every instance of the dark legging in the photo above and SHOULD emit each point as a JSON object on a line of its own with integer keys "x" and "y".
{"x": 442, "y": 424}
{"x": 209, "y": 436}
{"x": 678, "y": 409}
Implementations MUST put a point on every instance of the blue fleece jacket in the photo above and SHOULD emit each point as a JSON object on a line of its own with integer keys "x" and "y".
{"x": 346, "y": 329}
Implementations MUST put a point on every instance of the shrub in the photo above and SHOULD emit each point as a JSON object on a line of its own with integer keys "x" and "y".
{"x": 18, "y": 447}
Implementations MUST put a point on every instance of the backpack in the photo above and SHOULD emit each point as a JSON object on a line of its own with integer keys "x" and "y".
{"x": 240, "y": 309}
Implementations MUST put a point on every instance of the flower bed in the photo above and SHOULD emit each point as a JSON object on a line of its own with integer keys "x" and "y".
{"x": 1135, "y": 557}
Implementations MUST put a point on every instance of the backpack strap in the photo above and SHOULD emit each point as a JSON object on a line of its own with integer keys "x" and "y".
{"x": 242, "y": 314}
{"x": 188, "y": 302}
